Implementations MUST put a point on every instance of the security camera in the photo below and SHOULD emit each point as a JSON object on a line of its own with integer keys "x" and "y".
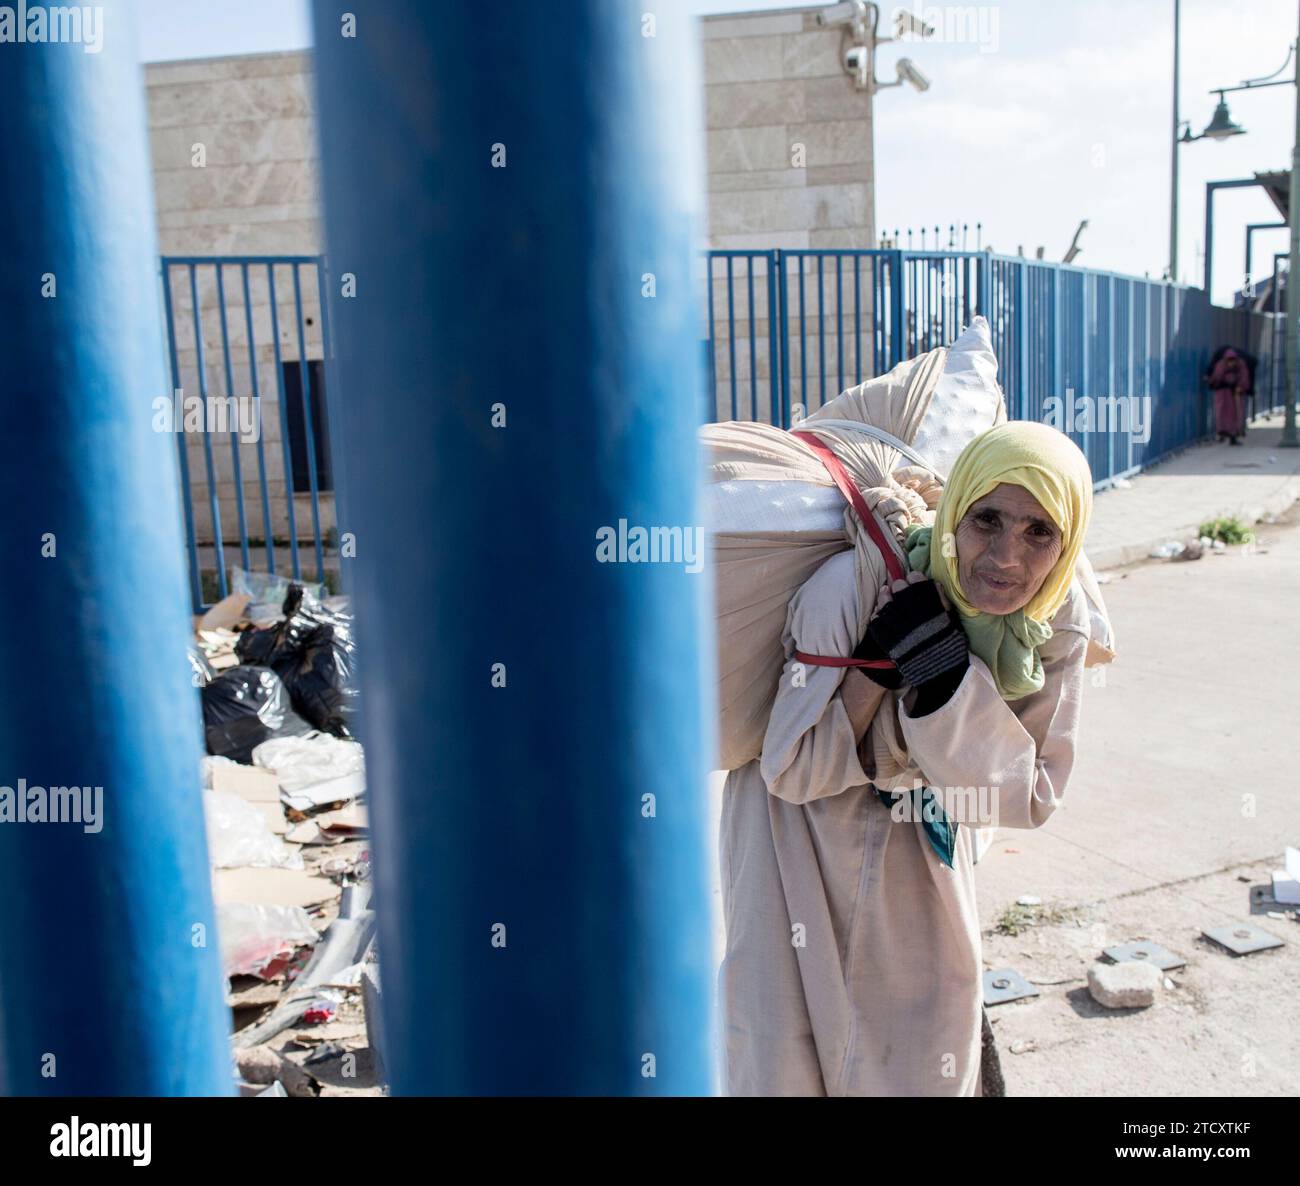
{"x": 857, "y": 61}
{"x": 841, "y": 14}
{"x": 907, "y": 72}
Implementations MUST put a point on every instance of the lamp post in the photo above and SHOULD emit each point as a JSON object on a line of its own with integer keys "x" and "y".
{"x": 1220, "y": 127}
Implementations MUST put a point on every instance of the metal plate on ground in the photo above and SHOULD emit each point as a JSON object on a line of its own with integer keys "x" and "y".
{"x": 1150, "y": 953}
{"x": 1006, "y": 984}
{"x": 1242, "y": 938}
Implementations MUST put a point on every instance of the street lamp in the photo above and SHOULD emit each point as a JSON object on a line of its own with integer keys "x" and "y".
{"x": 1220, "y": 126}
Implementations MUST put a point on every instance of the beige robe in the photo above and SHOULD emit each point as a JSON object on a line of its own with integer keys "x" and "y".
{"x": 853, "y": 954}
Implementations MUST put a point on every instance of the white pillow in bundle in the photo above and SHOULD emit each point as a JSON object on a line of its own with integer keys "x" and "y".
{"x": 966, "y": 400}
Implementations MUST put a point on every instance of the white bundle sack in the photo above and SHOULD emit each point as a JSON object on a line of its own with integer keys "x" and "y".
{"x": 775, "y": 515}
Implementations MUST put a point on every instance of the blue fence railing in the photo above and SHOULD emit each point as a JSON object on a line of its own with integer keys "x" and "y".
{"x": 247, "y": 336}
{"x": 1119, "y": 357}
{"x": 787, "y": 331}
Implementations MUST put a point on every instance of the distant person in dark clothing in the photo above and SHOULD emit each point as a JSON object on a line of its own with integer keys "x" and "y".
{"x": 1230, "y": 380}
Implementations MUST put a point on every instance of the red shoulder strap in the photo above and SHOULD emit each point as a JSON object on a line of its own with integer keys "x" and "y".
{"x": 841, "y": 479}
{"x": 846, "y": 487}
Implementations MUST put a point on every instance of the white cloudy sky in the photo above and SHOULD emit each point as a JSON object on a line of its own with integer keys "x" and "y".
{"x": 1065, "y": 116}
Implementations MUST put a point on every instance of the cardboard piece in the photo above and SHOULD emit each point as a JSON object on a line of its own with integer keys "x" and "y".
{"x": 271, "y": 887}
{"x": 225, "y": 613}
{"x": 254, "y": 785}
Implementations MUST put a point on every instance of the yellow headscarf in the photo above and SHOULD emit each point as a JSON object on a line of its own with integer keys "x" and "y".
{"x": 1051, "y": 467}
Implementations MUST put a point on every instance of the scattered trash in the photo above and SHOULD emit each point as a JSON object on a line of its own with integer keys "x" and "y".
{"x": 1286, "y": 881}
{"x": 259, "y": 1065}
{"x": 1131, "y": 984}
{"x": 218, "y": 647}
{"x": 1192, "y": 550}
{"x": 314, "y": 770}
{"x": 313, "y": 653}
{"x": 1167, "y": 550}
{"x": 244, "y": 707}
{"x": 1122, "y": 484}
{"x": 1243, "y": 938}
{"x": 276, "y": 1089}
{"x": 1023, "y": 1046}
{"x": 1006, "y": 984}
{"x": 1220, "y": 546}
{"x": 324, "y": 1053}
{"x": 1169, "y": 983}
{"x": 343, "y": 944}
{"x": 319, "y": 1010}
{"x": 1145, "y": 952}
{"x": 224, "y": 614}
{"x": 1029, "y": 900}
{"x": 202, "y": 672}
{"x": 266, "y": 593}
{"x": 331, "y": 827}
{"x": 238, "y": 835}
{"x": 255, "y": 937}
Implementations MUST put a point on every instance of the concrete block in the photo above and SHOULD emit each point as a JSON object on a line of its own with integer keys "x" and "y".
{"x": 1128, "y": 985}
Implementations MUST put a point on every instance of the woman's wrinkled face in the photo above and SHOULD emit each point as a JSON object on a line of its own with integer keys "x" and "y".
{"x": 1006, "y": 546}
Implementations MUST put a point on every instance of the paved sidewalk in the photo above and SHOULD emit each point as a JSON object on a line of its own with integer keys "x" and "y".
{"x": 1171, "y": 500}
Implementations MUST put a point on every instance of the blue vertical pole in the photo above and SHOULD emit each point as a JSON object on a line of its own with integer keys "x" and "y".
{"x": 1022, "y": 336}
{"x": 110, "y": 978}
{"x": 516, "y": 406}
{"x": 897, "y": 310}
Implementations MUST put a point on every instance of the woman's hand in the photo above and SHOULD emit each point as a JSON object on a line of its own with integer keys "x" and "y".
{"x": 885, "y": 596}
{"x": 916, "y": 627}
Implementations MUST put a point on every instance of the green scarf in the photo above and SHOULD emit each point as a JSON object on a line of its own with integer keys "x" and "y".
{"x": 1008, "y": 643}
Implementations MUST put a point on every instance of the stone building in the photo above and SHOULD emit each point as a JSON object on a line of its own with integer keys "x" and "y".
{"x": 235, "y": 173}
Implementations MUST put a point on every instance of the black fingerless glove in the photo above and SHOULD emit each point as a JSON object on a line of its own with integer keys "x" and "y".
{"x": 886, "y": 677}
{"x": 925, "y": 640}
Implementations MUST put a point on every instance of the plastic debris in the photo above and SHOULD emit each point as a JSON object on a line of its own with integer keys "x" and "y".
{"x": 238, "y": 835}
{"x": 266, "y": 593}
{"x": 1168, "y": 549}
{"x": 314, "y": 770}
{"x": 254, "y": 938}
{"x": 244, "y": 707}
{"x": 202, "y": 672}
{"x": 319, "y": 1011}
{"x": 1029, "y": 900}
{"x": 312, "y": 651}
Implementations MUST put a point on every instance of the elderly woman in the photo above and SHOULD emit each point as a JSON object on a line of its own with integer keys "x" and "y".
{"x": 853, "y": 960}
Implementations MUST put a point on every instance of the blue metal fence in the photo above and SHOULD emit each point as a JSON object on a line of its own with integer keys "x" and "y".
{"x": 789, "y": 330}
{"x": 236, "y": 325}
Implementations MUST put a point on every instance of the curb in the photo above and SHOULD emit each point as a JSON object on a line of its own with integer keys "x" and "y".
{"x": 1118, "y": 555}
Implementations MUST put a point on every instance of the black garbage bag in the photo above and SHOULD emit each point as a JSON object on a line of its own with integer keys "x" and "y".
{"x": 313, "y": 652}
{"x": 201, "y": 671}
{"x": 243, "y": 707}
